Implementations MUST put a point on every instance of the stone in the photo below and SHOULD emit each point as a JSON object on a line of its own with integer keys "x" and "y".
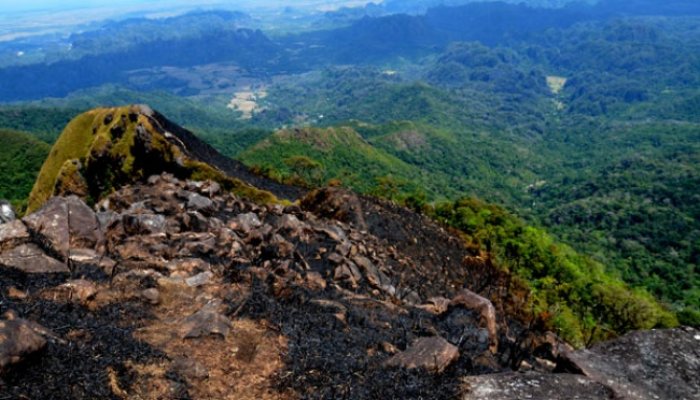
{"x": 315, "y": 282}
{"x": 152, "y": 295}
{"x": 644, "y": 365}
{"x": 371, "y": 271}
{"x": 336, "y": 258}
{"x": 335, "y": 203}
{"x": 7, "y": 214}
{"x": 65, "y": 222}
{"x": 518, "y": 386}
{"x": 13, "y": 233}
{"x": 18, "y": 340}
{"x": 199, "y": 203}
{"x": 144, "y": 224}
{"x": 198, "y": 244}
{"x": 487, "y": 312}
{"x": 349, "y": 273}
{"x": 29, "y": 258}
{"x": 193, "y": 221}
{"x": 207, "y": 321}
{"x": 333, "y": 232}
{"x": 245, "y": 222}
{"x": 80, "y": 290}
{"x": 199, "y": 279}
{"x": 289, "y": 224}
{"x": 189, "y": 265}
{"x": 433, "y": 354}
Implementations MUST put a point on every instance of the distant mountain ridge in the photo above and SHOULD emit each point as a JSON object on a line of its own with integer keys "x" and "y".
{"x": 368, "y": 40}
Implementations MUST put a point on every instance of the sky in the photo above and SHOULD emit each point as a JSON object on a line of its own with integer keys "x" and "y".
{"x": 62, "y": 5}
{"x": 15, "y": 6}
{"x": 26, "y": 18}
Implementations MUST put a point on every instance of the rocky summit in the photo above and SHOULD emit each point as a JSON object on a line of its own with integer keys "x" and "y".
{"x": 169, "y": 287}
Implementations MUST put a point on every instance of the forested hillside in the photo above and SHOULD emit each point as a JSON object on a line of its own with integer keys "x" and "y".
{"x": 21, "y": 157}
{"x": 582, "y": 121}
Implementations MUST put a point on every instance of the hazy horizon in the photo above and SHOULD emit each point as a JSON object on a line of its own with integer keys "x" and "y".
{"x": 51, "y": 5}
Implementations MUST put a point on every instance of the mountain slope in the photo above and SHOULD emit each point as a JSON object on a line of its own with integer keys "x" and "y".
{"x": 21, "y": 158}
{"x": 168, "y": 288}
{"x": 314, "y": 156}
{"x": 586, "y": 301}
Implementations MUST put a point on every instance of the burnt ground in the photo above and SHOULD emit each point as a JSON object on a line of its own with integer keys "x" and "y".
{"x": 294, "y": 324}
{"x": 93, "y": 344}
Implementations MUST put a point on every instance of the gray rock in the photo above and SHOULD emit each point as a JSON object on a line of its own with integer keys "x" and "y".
{"x": 152, "y": 295}
{"x": 472, "y": 301}
{"x": 433, "y": 354}
{"x": 7, "y": 214}
{"x": 333, "y": 232}
{"x": 199, "y": 203}
{"x": 65, "y": 222}
{"x": 31, "y": 259}
{"x": 289, "y": 223}
{"x": 645, "y": 365}
{"x": 144, "y": 224}
{"x": 12, "y": 234}
{"x": 518, "y": 386}
{"x": 245, "y": 222}
{"x": 207, "y": 321}
{"x": 199, "y": 279}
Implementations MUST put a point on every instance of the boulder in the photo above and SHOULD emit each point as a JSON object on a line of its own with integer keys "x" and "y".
{"x": 30, "y": 259}
{"x": 18, "y": 340}
{"x": 518, "y": 386}
{"x": 375, "y": 277}
{"x": 472, "y": 301}
{"x": 433, "y": 354}
{"x": 207, "y": 321}
{"x": 644, "y": 365}
{"x": 64, "y": 223}
{"x": 336, "y": 203}
{"x": 144, "y": 224}
{"x": 13, "y": 233}
{"x": 199, "y": 203}
{"x": 348, "y": 273}
{"x": 244, "y": 223}
{"x": 7, "y": 214}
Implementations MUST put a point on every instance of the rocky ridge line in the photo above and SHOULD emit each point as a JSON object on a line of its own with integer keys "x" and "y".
{"x": 177, "y": 289}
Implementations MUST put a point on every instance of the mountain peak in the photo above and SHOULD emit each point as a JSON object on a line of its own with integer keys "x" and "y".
{"x": 106, "y": 148}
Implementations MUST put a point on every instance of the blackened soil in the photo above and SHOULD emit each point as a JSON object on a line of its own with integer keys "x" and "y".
{"x": 89, "y": 344}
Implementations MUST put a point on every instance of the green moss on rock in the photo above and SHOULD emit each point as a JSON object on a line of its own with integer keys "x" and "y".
{"x": 106, "y": 148}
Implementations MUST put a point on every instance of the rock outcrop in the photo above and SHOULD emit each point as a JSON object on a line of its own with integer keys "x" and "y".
{"x": 103, "y": 149}
{"x": 170, "y": 288}
{"x": 200, "y": 269}
{"x": 659, "y": 364}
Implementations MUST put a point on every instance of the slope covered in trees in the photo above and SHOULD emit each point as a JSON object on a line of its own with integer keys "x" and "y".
{"x": 21, "y": 157}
